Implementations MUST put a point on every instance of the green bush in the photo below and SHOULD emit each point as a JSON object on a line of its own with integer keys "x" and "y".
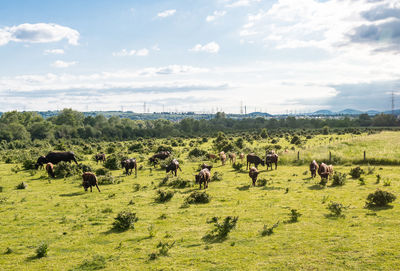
{"x": 262, "y": 182}
{"x": 356, "y": 172}
{"x": 21, "y": 185}
{"x": 339, "y": 179}
{"x": 125, "y": 220}
{"x": 138, "y": 147}
{"x": 65, "y": 169}
{"x": 336, "y": 209}
{"x": 164, "y": 196}
{"x": 97, "y": 262}
{"x": 198, "y": 197}
{"x": 41, "y": 250}
{"x": 164, "y": 148}
{"x": 221, "y": 230}
{"x": 217, "y": 176}
{"x": 179, "y": 183}
{"x": 101, "y": 171}
{"x": 28, "y": 164}
{"x": 197, "y": 153}
{"x": 237, "y": 166}
{"x": 106, "y": 179}
{"x": 379, "y": 198}
{"x": 294, "y": 216}
{"x": 269, "y": 230}
{"x": 112, "y": 163}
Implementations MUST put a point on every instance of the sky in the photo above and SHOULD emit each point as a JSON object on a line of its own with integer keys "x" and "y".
{"x": 273, "y": 56}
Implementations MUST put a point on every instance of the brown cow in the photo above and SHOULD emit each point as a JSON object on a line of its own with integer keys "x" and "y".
{"x": 232, "y": 158}
{"x": 203, "y": 166}
{"x": 211, "y": 156}
{"x": 222, "y": 156}
{"x": 325, "y": 171}
{"x": 203, "y": 176}
{"x": 271, "y": 158}
{"x": 100, "y": 157}
{"x": 254, "y": 159}
{"x": 89, "y": 180}
{"x": 313, "y": 169}
{"x": 129, "y": 164}
{"x": 173, "y": 167}
{"x": 241, "y": 156}
{"x": 49, "y": 169}
{"x": 162, "y": 155}
{"x": 253, "y": 173}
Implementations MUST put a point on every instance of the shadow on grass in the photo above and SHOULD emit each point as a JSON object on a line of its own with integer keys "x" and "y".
{"x": 272, "y": 188}
{"x": 212, "y": 239}
{"x": 316, "y": 187}
{"x": 379, "y": 208}
{"x": 72, "y": 194}
{"x": 243, "y": 188}
{"x": 139, "y": 239}
{"x": 114, "y": 230}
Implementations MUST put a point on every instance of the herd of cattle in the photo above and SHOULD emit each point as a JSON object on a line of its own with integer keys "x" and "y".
{"x": 203, "y": 177}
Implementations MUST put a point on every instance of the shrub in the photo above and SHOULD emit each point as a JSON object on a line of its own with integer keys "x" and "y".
{"x": 164, "y": 247}
{"x": 41, "y": 250}
{"x": 295, "y": 140}
{"x": 262, "y": 182}
{"x": 164, "y": 196}
{"x": 124, "y": 221}
{"x": 336, "y": 209}
{"x": 28, "y": 164}
{"x": 269, "y": 230}
{"x": 294, "y": 216}
{"x": 101, "y": 171}
{"x": 107, "y": 179}
{"x": 379, "y": 198}
{"x": 21, "y": 185}
{"x": 179, "y": 183}
{"x": 370, "y": 170}
{"x": 386, "y": 182}
{"x": 65, "y": 169}
{"x": 217, "y": 176}
{"x": 362, "y": 181}
{"x": 164, "y": 148}
{"x": 197, "y": 153}
{"x": 198, "y": 197}
{"x": 8, "y": 251}
{"x": 221, "y": 230}
{"x": 237, "y": 166}
{"x": 97, "y": 262}
{"x": 378, "y": 178}
{"x": 355, "y": 173}
{"x": 112, "y": 163}
{"x": 85, "y": 168}
{"x": 339, "y": 179}
{"x": 138, "y": 147}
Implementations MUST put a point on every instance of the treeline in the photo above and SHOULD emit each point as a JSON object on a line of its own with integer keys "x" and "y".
{"x": 73, "y": 124}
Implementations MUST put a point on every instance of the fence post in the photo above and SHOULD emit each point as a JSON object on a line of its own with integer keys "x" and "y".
{"x": 298, "y": 155}
{"x": 365, "y": 157}
{"x": 330, "y": 156}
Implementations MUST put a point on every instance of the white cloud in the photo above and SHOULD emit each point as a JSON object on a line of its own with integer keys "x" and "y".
{"x": 54, "y": 51}
{"x": 241, "y": 3}
{"x": 215, "y": 15}
{"x": 166, "y": 13}
{"x": 63, "y": 64}
{"x": 125, "y": 52}
{"x": 38, "y": 33}
{"x": 211, "y": 47}
{"x": 155, "y": 47}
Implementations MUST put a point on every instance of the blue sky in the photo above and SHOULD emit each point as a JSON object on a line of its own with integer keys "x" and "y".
{"x": 205, "y": 55}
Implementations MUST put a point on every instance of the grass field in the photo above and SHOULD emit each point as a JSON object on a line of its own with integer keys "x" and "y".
{"x": 77, "y": 225}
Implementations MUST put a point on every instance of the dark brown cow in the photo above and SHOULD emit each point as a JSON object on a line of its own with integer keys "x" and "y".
{"x": 203, "y": 166}
{"x": 89, "y": 180}
{"x": 313, "y": 169}
{"x": 159, "y": 156}
{"x": 254, "y": 159}
{"x": 100, "y": 157}
{"x": 49, "y": 169}
{"x": 129, "y": 164}
{"x": 204, "y": 177}
{"x": 325, "y": 171}
{"x": 55, "y": 158}
{"x": 222, "y": 157}
{"x": 271, "y": 158}
{"x": 232, "y": 158}
{"x": 173, "y": 167}
{"x": 212, "y": 156}
{"x": 253, "y": 173}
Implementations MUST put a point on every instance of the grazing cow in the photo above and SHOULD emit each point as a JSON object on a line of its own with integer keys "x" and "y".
{"x": 271, "y": 158}
{"x": 173, "y": 167}
{"x": 159, "y": 156}
{"x": 203, "y": 177}
{"x": 232, "y": 158}
{"x": 203, "y": 166}
{"x": 212, "y": 156}
{"x": 254, "y": 159}
{"x": 100, "y": 157}
{"x": 313, "y": 169}
{"x": 253, "y": 173}
{"x": 89, "y": 180}
{"x": 222, "y": 156}
{"x": 241, "y": 156}
{"x": 49, "y": 169}
{"x": 55, "y": 158}
{"x": 129, "y": 164}
{"x": 325, "y": 171}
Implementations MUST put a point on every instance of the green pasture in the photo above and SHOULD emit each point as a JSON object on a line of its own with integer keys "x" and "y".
{"x": 77, "y": 225}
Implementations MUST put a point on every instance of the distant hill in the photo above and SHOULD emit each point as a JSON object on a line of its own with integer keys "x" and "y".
{"x": 350, "y": 112}
{"x": 259, "y": 114}
{"x": 323, "y": 112}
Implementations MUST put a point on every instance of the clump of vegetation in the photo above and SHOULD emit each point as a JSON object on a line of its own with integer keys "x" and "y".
{"x": 356, "y": 172}
{"x": 97, "y": 262}
{"x": 107, "y": 210}
{"x": 336, "y": 209}
{"x": 370, "y": 170}
{"x": 163, "y": 249}
{"x": 237, "y": 166}
{"x": 180, "y": 183}
{"x": 197, "y": 153}
{"x": 28, "y": 164}
{"x": 22, "y": 185}
{"x": 379, "y": 198}
{"x": 65, "y": 169}
{"x": 41, "y": 250}
{"x": 164, "y": 196}
{"x": 262, "y": 182}
{"x": 295, "y": 140}
{"x": 386, "y": 182}
{"x": 269, "y": 230}
{"x": 378, "y": 178}
{"x": 101, "y": 171}
{"x": 294, "y": 216}
{"x": 125, "y": 220}
{"x": 107, "y": 179}
{"x": 323, "y": 181}
{"x": 221, "y": 230}
{"x": 8, "y": 251}
{"x": 85, "y": 168}
{"x": 138, "y": 147}
{"x": 112, "y": 162}
{"x": 339, "y": 179}
{"x": 198, "y": 197}
{"x": 361, "y": 181}
{"x": 217, "y": 176}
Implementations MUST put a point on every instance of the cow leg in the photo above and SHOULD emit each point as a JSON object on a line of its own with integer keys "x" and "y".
{"x": 90, "y": 188}
{"x": 97, "y": 187}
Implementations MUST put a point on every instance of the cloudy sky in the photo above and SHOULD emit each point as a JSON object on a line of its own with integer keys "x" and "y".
{"x": 199, "y": 55}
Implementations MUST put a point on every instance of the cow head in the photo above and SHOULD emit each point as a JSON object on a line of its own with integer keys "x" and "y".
{"x": 40, "y": 162}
